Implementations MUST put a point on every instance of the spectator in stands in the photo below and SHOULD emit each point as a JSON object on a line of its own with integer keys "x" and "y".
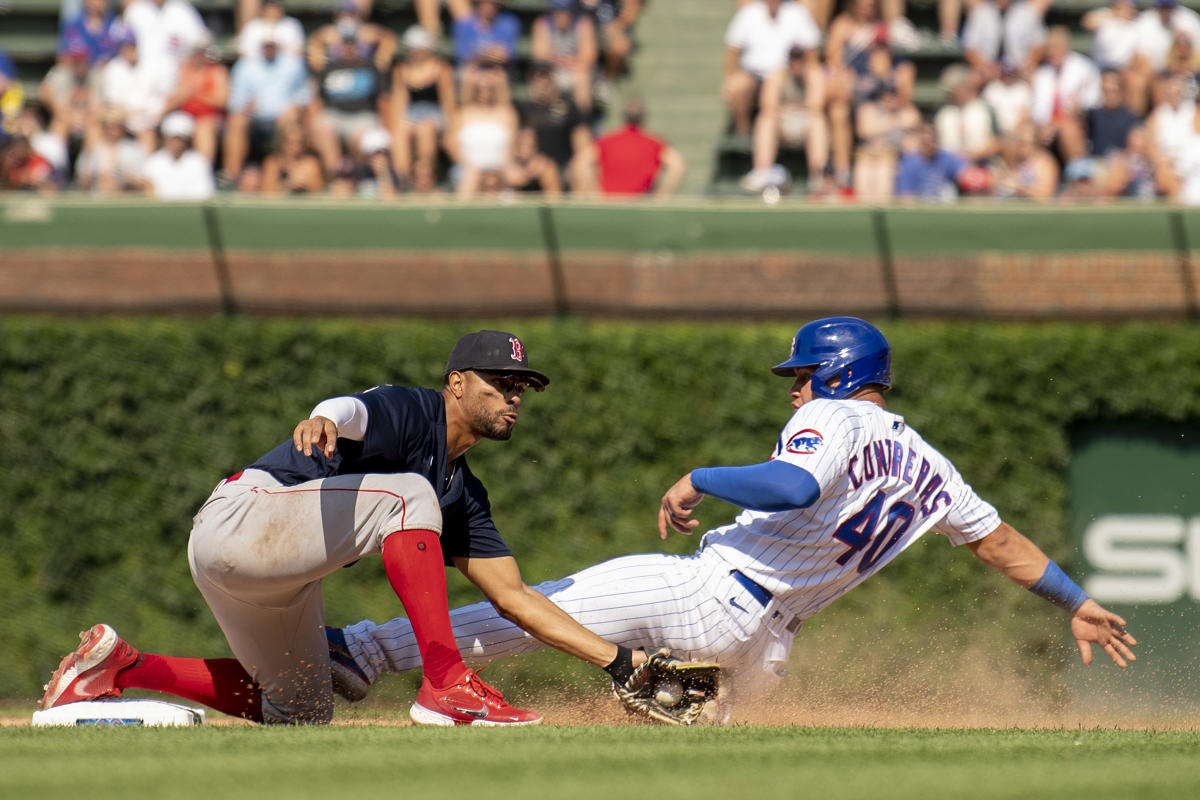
{"x": 928, "y": 172}
{"x": 351, "y": 97}
{"x": 351, "y": 35}
{"x": 1024, "y": 169}
{"x": 965, "y": 125}
{"x": 1131, "y": 172}
{"x": 1025, "y": 34}
{"x": 861, "y": 63}
{"x": 1114, "y": 46}
{"x": 860, "y": 52}
{"x": 31, "y": 126}
{"x": 11, "y": 96}
{"x": 757, "y": 42}
{"x": 560, "y": 130}
{"x": 530, "y": 170}
{"x": 23, "y": 169}
{"x": 792, "y": 110}
{"x": 271, "y": 22}
{"x": 1172, "y": 123}
{"x": 71, "y": 92}
{"x": 1157, "y": 26}
{"x": 566, "y": 38}
{"x": 1114, "y": 34}
{"x": 177, "y": 172}
{"x": 1153, "y": 30}
{"x": 1009, "y": 98}
{"x": 202, "y": 93}
{"x": 630, "y": 162}
{"x": 480, "y": 141}
{"x": 368, "y": 168}
{"x": 1109, "y": 124}
{"x": 166, "y": 32}
{"x": 267, "y": 91}
{"x": 97, "y": 30}
{"x": 138, "y": 88}
{"x": 1184, "y": 183}
{"x": 885, "y": 124}
{"x": 429, "y": 13}
{"x": 1184, "y": 61}
{"x": 423, "y": 101}
{"x": 292, "y": 167}
{"x": 982, "y": 35}
{"x": 614, "y": 21}
{"x": 112, "y": 162}
{"x": 1064, "y": 88}
{"x": 483, "y": 32}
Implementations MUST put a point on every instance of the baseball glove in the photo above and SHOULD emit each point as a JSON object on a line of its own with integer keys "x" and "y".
{"x": 669, "y": 689}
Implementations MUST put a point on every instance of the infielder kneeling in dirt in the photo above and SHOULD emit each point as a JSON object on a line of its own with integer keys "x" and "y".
{"x": 379, "y": 472}
{"x": 848, "y": 487}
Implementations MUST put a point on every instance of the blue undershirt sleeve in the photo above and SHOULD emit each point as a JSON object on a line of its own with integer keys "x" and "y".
{"x": 770, "y": 486}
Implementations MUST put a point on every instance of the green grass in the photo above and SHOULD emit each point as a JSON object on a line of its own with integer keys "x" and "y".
{"x": 602, "y": 762}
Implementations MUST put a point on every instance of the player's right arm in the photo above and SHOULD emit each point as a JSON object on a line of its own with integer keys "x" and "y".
{"x": 337, "y": 416}
{"x": 1024, "y": 563}
{"x": 771, "y": 486}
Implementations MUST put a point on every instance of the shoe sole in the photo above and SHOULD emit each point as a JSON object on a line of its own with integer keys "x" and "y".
{"x": 95, "y": 656}
{"x": 427, "y": 716}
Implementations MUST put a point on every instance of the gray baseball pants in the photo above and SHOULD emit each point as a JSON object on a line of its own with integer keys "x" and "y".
{"x": 258, "y": 552}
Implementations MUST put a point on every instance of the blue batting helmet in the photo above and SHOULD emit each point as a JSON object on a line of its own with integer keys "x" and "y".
{"x": 848, "y": 348}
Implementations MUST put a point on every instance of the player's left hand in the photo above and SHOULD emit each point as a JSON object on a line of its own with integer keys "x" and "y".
{"x": 677, "y": 505}
{"x": 1094, "y": 624}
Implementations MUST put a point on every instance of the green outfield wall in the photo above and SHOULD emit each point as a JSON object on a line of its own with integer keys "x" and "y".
{"x": 665, "y": 259}
{"x": 117, "y": 428}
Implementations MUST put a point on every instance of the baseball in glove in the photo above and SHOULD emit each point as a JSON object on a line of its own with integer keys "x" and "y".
{"x": 668, "y": 689}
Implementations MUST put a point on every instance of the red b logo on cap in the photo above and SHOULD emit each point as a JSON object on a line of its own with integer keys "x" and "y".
{"x": 518, "y": 353}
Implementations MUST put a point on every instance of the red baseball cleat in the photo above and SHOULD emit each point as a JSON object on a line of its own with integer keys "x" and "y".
{"x": 468, "y": 701}
{"x": 91, "y": 671}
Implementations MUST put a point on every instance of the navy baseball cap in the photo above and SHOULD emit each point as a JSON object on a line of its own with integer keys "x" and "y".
{"x": 493, "y": 351}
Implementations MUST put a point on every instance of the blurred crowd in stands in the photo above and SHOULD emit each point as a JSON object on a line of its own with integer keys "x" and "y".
{"x": 142, "y": 100}
{"x": 1023, "y": 114}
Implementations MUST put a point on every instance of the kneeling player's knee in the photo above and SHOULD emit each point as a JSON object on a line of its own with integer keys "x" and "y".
{"x": 414, "y": 506}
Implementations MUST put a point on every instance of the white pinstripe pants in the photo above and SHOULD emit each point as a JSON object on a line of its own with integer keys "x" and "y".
{"x": 690, "y": 604}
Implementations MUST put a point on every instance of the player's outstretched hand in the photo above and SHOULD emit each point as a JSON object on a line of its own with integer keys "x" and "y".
{"x": 677, "y": 505}
{"x": 1093, "y": 624}
{"x": 317, "y": 431}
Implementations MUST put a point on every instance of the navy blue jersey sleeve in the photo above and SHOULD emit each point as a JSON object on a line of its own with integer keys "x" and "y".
{"x": 395, "y": 417}
{"x": 400, "y": 437}
{"x": 467, "y": 526}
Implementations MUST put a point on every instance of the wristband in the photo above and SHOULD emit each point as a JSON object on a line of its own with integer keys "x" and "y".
{"x": 622, "y": 666}
{"x": 1055, "y": 586}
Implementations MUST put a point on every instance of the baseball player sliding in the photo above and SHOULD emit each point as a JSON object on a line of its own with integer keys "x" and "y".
{"x": 848, "y": 487}
{"x": 383, "y": 471}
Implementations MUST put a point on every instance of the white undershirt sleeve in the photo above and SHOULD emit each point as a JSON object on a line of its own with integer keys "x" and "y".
{"x": 348, "y": 413}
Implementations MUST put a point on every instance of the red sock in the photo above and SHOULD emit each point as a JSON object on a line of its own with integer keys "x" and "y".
{"x": 219, "y": 683}
{"x": 413, "y": 560}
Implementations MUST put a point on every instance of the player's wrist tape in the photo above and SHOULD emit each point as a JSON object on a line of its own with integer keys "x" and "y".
{"x": 770, "y": 486}
{"x": 622, "y": 666}
{"x": 1058, "y": 588}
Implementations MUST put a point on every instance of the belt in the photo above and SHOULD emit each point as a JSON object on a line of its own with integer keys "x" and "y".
{"x": 763, "y": 596}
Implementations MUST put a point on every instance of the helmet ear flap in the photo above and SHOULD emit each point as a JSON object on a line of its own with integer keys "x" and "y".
{"x": 825, "y": 381}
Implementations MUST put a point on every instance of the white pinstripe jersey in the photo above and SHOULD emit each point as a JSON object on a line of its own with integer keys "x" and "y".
{"x": 882, "y": 487}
